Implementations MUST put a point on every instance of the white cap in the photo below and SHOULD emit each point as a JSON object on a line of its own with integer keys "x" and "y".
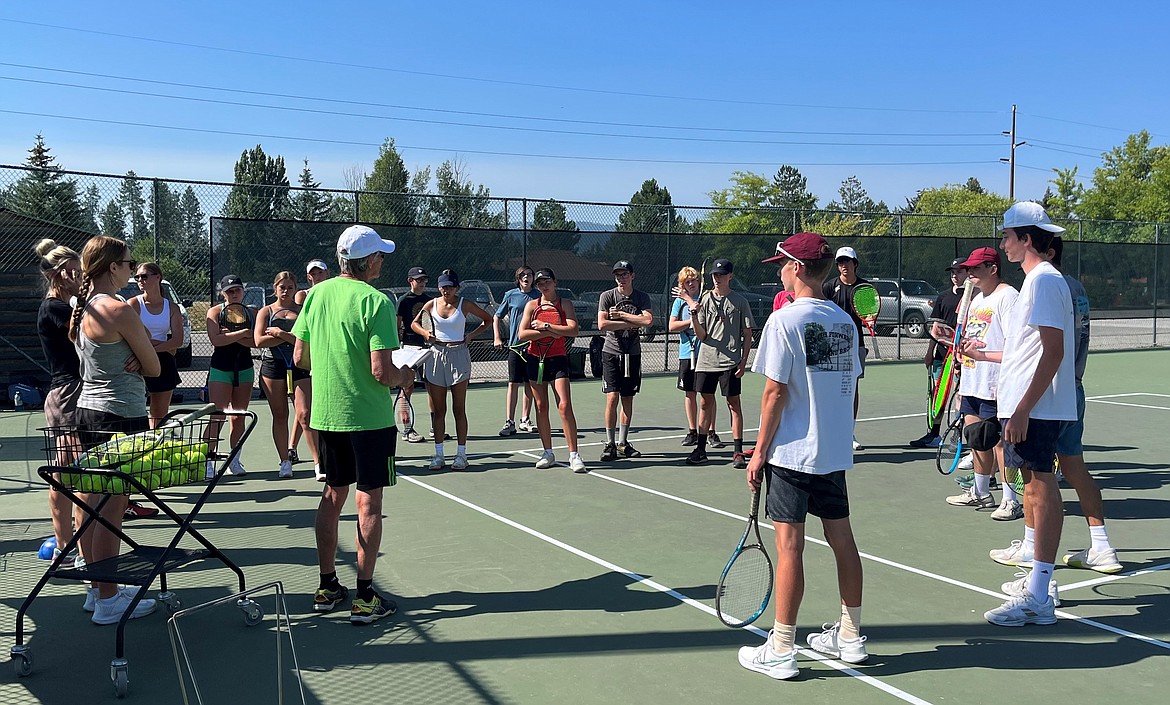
{"x": 846, "y": 252}
{"x": 316, "y": 264}
{"x": 358, "y": 241}
{"x": 1027, "y": 213}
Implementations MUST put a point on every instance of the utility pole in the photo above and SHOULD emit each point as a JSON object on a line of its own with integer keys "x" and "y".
{"x": 1011, "y": 160}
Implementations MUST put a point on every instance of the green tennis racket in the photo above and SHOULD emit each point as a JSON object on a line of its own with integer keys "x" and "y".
{"x": 867, "y": 304}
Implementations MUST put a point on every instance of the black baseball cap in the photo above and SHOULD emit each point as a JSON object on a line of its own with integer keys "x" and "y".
{"x": 230, "y": 282}
{"x": 544, "y": 273}
{"x": 956, "y": 264}
{"x": 722, "y": 266}
{"x": 416, "y": 273}
{"x": 623, "y": 264}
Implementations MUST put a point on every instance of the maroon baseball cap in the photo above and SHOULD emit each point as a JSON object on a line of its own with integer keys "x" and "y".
{"x": 802, "y": 247}
{"x": 980, "y": 255}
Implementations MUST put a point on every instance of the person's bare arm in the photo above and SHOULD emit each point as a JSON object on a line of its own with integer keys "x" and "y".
{"x": 771, "y": 406}
{"x": 301, "y": 357}
{"x": 383, "y": 369}
{"x": 129, "y": 325}
{"x": 1052, "y": 352}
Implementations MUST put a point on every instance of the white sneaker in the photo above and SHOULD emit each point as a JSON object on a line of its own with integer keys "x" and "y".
{"x": 830, "y": 643}
{"x": 1009, "y": 510}
{"x": 110, "y": 610}
{"x": 237, "y": 467}
{"x": 210, "y": 474}
{"x": 460, "y": 462}
{"x": 969, "y": 499}
{"x": 318, "y": 473}
{"x": 547, "y": 460}
{"x": 762, "y": 659}
{"x": 577, "y": 465}
{"x": 1100, "y": 561}
{"x": 1022, "y": 609}
{"x": 1012, "y": 555}
{"x": 285, "y": 470}
{"x": 967, "y": 462}
{"x": 91, "y": 596}
{"x": 526, "y": 425}
{"x": 856, "y": 445}
{"x": 1019, "y": 586}
{"x": 436, "y": 462}
{"x": 508, "y": 429}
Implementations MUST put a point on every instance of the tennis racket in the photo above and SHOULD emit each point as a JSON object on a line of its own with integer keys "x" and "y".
{"x": 930, "y": 387}
{"x": 627, "y": 337}
{"x": 746, "y": 583}
{"x": 545, "y": 313}
{"x": 234, "y": 317}
{"x": 947, "y": 379}
{"x": 1015, "y": 478}
{"x": 284, "y": 320}
{"x": 950, "y": 450}
{"x": 867, "y": 304}
{"x": 427, "y": 323}
{"x": 403, "y": 412}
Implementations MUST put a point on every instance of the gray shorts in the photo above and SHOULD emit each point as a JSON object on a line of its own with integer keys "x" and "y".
{"x": 61, "y": 403}
{"x": 448, "y": 366}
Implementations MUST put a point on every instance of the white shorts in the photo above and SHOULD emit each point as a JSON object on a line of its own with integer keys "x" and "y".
{"x": 448, "y": 366}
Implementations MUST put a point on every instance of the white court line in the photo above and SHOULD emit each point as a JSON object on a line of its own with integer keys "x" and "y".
{"x": 1116, "y": 576}
{"x": 1124, "y": 403}
{"x": 868, "y": 680}
{"x": 1129, "y": 394}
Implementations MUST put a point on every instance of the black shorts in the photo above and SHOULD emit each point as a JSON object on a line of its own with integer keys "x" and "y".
{"x": 95, "y": 427}
{"x": 793, "y": 495}
{"x": 1038, "y": 449}
{"x": 555, "y": 367}
{"x": 364, "y": 457}
{"x": 686, "y": 375}
{"x": 274, "y": 368}
{"x": 612, "y": 379}
{"x": 168, "y": 378}
{"x": 728, "y": 384}
{"x": 518, "y": 368}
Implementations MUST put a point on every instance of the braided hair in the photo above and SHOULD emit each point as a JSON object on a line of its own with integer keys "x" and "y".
{"x": 96, "y": 257}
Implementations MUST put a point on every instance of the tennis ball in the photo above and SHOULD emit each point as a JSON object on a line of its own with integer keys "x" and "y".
{"x": 115, "y": 486}
{"x": 152, "y": 481}
{"x": 137, "y": 467}
{"x": 70, "y": 479}
{"x": 202, "y": 448}
{"x": 85, "y": 483}
{"x": 90, "y": 460}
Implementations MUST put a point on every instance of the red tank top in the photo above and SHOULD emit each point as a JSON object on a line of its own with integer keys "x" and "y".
{"x": 558, "y": 347}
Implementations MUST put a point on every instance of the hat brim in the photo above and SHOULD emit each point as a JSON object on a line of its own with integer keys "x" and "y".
{"x": 1050, "y": 227}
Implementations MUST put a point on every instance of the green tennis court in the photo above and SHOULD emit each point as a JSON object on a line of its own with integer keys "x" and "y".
{"x": 524, "y": 585}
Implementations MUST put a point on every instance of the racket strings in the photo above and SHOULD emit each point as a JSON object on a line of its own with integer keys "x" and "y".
{"x": 746, "y": 586}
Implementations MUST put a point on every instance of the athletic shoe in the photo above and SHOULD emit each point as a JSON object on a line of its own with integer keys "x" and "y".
{"x": 210, "y": 474}
{"x": 1022, "y": 609}
{"x": 1100, "y": 561}
{"x": 365, "y": 612}
{"x": 325, "y": 599}
{"x": 578, "y": 466}
{"x": 692, "y": 439}
{"x": 830, "y": 643}
{"x": 628, "y": 450}
{"x": 285, "y": 472}
{"x": 1009, "y": 510}
{"x": 857, "y": 445}
{"x": 970, "y": 499}
{"x": 609, "y": 453}
{"x": 1019, "y": 586}
{"x": 1012, "y": 555}
{"x": 411, "y": 436}
{"x": 134, "y": 510}
{"x": 762, "y": 659}
{"x": 526, "y": 426}
{"x": 967, "y": 462}
{"x": 318, "y": 473}
{"x": 509, "y": 428}
{"x": 546, "y": 461}
{"x": 460, "y": 462}
{"x": 91, "y": 595}
{"x": 968, "y": 480}
{"x": 739, "y": 461}
{"x": 111, "y": 609}
{"x": 714, "y": 441}
{"x": 696, "y": 457}
{"x": 928, "y": 441}
{"x": 237, "y": 467}
{"x": 292, "y": 456}
{"x": 437, "y": 462}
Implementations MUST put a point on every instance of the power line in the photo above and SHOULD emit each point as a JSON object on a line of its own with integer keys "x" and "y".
{"x": 1089, "y": 124}
{"x": 496, "y": 81}
{"x": 577, "y": 157}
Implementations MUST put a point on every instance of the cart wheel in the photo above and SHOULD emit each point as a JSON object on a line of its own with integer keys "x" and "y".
{"x": 171, "y": 600}
{"x": 22, "y": 662}
{"x": 121, "y": 679}
{"x": 253, "y": 612}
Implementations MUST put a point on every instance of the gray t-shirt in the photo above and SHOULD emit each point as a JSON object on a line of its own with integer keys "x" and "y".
{"x": 1080, "y": 299}
{"x": 623, "y": 341}
{"x": 727, "y": 320}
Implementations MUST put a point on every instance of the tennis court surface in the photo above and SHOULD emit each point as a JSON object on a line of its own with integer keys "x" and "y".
{"x": 524, "y": 585}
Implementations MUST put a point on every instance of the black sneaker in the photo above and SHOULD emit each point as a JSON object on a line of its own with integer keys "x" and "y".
{"x": 696, "y": 457}
{"x": 363, "y": 612}
{"x": 629, "y": 451}
{"x": 928, "y": 441}
{"x": 714, "y": 441}
{"x": 739, "y": 461}
{"x": 609, "y": 453}
{"x": 692, "y": 439}
{"x": 328, "y": 598}
{"x": 292, "y": 456}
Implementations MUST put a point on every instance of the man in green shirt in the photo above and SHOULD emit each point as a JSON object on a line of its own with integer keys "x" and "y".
{"x": 345, "y": 334}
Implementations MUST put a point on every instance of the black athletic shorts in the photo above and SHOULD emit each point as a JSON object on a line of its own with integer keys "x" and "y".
{"x": 364, "y": 457}
{"x": 728, "y": 384}
{"x": 1038, "y": 449}
{"x": 273, "y": 368}
{"x": 555, "y": 367}
{"x": 793, "y": 495}
{"x": 686, "y": 375}
{"x": 518, "y": 368}
{"x": 612, "y": 379}
{"x": 168, "y": 377}
{"x": 95, "y": 427}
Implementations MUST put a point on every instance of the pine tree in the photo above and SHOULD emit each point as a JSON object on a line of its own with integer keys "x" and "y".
{"x": 45, "y": 194}
{"x": 261, "y": 187}
{"x": 133, "y": 204}
{"x": 310, "y": 203}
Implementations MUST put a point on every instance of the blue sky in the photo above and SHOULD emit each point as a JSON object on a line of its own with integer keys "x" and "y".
{"x": 749, "y": 86}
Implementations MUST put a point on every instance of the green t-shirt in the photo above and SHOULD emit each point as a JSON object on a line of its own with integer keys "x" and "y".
{"x": 343, "y": 321}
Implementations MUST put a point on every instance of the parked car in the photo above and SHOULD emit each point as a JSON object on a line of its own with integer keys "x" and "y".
{"x": 257, "y": 296}
{"x": 183, "y": 354}
{"x": 916, "y": 299}
{"x": 659, "y": 304}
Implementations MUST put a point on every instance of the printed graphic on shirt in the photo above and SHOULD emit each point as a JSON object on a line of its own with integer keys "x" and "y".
{"x": 978, "y": 323}
{"x": 829, "y": 350}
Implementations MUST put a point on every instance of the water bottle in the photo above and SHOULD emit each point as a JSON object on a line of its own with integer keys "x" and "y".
{"x": 17, "y": 402}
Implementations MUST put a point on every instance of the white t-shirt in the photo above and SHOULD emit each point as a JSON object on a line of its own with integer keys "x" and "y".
{"x": 1044, "y": 301}
{"x": 810, "y": 345}
{"x": 985, "y": 321}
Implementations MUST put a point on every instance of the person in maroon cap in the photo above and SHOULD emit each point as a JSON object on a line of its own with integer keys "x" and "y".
{"x": 808, "y": 354}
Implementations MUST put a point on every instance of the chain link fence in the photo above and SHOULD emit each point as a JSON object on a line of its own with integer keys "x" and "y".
{"x": 199, "y": 231}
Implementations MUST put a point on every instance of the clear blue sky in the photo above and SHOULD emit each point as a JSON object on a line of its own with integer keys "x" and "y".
{"x": 753, "y": 83}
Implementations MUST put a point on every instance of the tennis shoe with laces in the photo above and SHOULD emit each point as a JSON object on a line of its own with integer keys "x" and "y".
{"x": 1100, "y": 561}
{"x": 857, "y": 444}
{"x": 1022, "y": 609}
{"x": 696, "y": 457}
{"x": 368, "y": 611}
{"x": 509, "y": 428}
{"x": 91, "y": 596}
{"x": 739, "y": 461}
{"x": 111, "y": 609}
{"x": 546, "y": 461}
{"x": 292, "y": 456}
{"x": 412, "y": 436}
{"x": 967, "y": 462}
{"x": 1019, "y": 586}
{"x": 1013, "y": 555}
{"x": 237, "y": 467}
{"x": 830, "y": 643}
{"x": 969, "y": 499}
{"x": 1008, "y": 510}
{"x": 762, "y": 659}
{"x": 526, "y": 426}
{"x": 436, "y": 463}
{"x": 577, "y": 465}
{"x": 714, "y": 440}
{"x": 628, "y": 450}
{"x": 460, "y": 462}
{"x": 609, "y": 453}
{"x": 318, "y": 473}
{"x": 691, "y": 439}
{"x": 325, "y": 599}
{"x": 930, "y": 440}
{"x": 285, "y": 472}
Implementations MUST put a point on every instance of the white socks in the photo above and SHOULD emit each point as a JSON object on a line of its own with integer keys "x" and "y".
{"x": 982, "y": 485}
{"x": 1100, "y": 538}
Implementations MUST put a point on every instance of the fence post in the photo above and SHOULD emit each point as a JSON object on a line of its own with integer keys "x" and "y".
{"x": 1081, "y": 244}
{"x": 356, "y": 208}
{"x": 154, "y": 184}
{"x": 898, "y": 328}
{"x": 1157, "y": 243}
{"x": 666, "y": 314}
{"x": 524, "y": 232}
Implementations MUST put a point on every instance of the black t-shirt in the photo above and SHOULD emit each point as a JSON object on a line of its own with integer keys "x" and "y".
{"x": 842, "y": 294}
{"x": 408, "y": 307}
{"x": 946, "y": 310}
{"x": 53, "y": 329}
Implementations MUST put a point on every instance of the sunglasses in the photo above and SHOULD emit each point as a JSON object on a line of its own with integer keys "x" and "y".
{"x": 133, "y": 263}
{"x": 141, "y": 277}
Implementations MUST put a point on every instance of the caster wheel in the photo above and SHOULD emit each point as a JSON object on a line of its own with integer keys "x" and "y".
{"x": 171, "y": 600}
{"x": 253, "y": 613}
{"x": 121, "y": 681}
{"x": 22, "y": 663}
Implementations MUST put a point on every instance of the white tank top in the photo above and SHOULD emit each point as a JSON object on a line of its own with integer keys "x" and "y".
{"x": 158, "y": 326}
{"x": 450, "y": 329}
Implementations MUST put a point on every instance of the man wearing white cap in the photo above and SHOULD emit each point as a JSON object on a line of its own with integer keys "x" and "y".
{"x": 840, "y": 292}
{"x": 345, "y": 335}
